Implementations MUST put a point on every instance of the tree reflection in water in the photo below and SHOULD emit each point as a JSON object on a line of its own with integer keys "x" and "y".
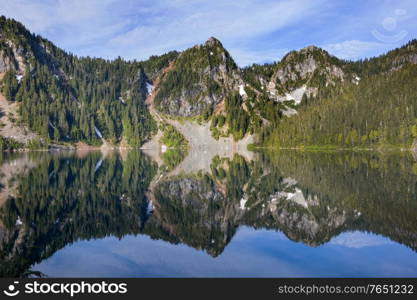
{"x": 51, "y": 200}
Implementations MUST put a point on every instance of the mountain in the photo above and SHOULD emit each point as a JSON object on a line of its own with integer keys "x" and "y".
{"x": 376, "y": 107}
{"x": 64, "y": 98}
{"x": 304, "y": 72}
{"x": 197, "y": 81}
{"x": 308, "y": 98}
{"x": 278, "y": 88}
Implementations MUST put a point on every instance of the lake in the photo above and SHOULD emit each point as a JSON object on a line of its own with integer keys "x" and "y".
{"x": 274, "y": 214}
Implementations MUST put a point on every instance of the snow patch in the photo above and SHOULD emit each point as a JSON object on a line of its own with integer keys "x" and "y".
{"x": 98, "y": 165}
{"x": 296, "y": 95}
{"x": 19, "y": 78}
{"x": 150, "y": 208}
{"x": 242, "y": 90}
{"x": 98, "y": 132}
{"x": 297, "y": 197}
{"x": 52, "y": 125}
{"x": 149, "y": 88}
{"x": 358, "y": 240}
{"x": 289, "y": 97}
{"x": 242, "y": 203}
{"x": 356, "y": 80}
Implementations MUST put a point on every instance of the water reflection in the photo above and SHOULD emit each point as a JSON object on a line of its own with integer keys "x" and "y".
{"x": 233, "y": 218}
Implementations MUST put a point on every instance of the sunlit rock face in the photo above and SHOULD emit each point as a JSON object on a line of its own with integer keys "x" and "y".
{"x": 198, "y": 80}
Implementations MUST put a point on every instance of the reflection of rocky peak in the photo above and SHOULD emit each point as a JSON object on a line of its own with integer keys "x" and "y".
{"x": 302, "y": 223}
{"x": 299, "y": 215}
{"x": 195, "y": 211}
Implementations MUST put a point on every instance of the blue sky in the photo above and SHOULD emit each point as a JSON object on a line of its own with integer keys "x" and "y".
{"x": 252, "y": 31}
{"x": 254, "y": 253}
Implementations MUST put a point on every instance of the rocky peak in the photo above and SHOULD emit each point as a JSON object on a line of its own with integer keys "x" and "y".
{"x": 201, "y": 76}
{"x": 212, "y": 41}
{"x": 310, "y": 48}
{"x": 303, "y": 72}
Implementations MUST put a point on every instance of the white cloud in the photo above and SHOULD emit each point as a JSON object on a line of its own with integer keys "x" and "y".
{"x": 138, "y": 29}
{"x": 193, "y": 22}
{"x": 73, "y": 24}
{"x": 253, "y": 31}
{"x": 354, "y": 49}
{"x": 359, "y": 240}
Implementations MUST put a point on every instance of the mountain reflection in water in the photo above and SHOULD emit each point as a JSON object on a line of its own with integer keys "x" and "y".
{"x": 284, "y": 213}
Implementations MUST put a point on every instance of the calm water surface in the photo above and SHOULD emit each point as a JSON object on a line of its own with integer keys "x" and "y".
{"x": 280, "y": 214}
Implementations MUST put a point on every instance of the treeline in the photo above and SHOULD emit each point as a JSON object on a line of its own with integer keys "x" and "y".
{"x": 155, "y": 64}
{"x": 256, "y": 74}
{"x": 9, "y": 144}
{"x": 250, "y": 116}
{"x": 171, "y": 137}
{"x": 380, "y": 111}
{"x": 388, "y": 62}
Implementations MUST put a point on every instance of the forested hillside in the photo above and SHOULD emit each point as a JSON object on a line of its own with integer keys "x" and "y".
{"x": 309, "y": 98}
{"x": 65, "y": 98}
{"x": 378, "y": 109}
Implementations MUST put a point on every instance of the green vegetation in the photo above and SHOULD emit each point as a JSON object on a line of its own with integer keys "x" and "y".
{"x": 189, "y": 79}
{"x": 172, "y": 158}
{"x": 155, "y": 64}
{"x": 388, "y": 62}
{"x": 252, "y": 74}
{"x": 66, "y": 198}
{"x": 172, "y": 138}
{"x": 246, "y": 117}
{"x": 36, "y": 144}
{"x": 379, "y": 112}
{"x": 7, "y": 144}
{"x": 79, "y": 198}
{"x": 9, "y": 85}
{"x": 68, "y": 99}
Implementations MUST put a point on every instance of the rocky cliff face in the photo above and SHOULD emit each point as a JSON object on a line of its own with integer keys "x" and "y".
{"x": 193, "y": 209}
{"x": 12, "y": 55}
{"x": 198, "y": 81}
{"x": 303, "y": 72}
